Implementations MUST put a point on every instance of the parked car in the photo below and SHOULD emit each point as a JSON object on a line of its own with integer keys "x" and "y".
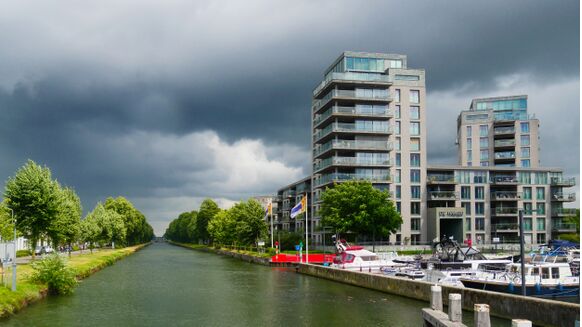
{"x": 39, "y": 250}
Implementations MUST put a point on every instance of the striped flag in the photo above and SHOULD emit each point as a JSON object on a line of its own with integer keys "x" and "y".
{"x": 299, "y": 207}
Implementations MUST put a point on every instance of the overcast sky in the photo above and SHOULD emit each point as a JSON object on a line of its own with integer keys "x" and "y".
{"x": 169, "y": 102}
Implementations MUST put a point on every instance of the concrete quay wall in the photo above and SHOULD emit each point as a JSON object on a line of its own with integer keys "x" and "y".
{"x": 539, "y": 311}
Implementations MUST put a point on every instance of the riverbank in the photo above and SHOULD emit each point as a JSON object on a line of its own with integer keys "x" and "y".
{"x": 248, "y": 256}
{"x": 84, "y": 264}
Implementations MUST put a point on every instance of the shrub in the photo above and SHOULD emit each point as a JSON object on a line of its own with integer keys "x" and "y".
{"x": 23, "y": 253}
{"x": 272, "y": 251}
{"x": 53, "y": 271}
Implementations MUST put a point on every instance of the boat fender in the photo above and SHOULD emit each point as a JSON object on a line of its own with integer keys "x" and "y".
{"x": 511, "y": 287}
{"x": 517, "y": 279}
{"x": 538, "y": 288}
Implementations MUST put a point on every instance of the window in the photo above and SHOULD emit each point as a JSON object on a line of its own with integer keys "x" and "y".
{"x": 415, "y": 224}
{"x": 397, "y": 128}
{"x": 524, "y": 139}
{"x": 464, "y": 177}
{"x": 415, "y": 128}
{"x": 469, "y": 143}
{"x": 480, "y": 177}
{"x": 415, "y": 208}
{"x": 479, "y": 223}
{"x": 398, "y": 191}
{"x": 527, "y": 208}
{"x": 395, "y": 63}
{"x": 415, "y": 176}
{"x": 415, "y": 192}
{"x": 398, "y": 160}
{"x": 397, "y": 95}
{"x": 541, "y": 224}
{"x": 397, "y": 112}
{"x": 525, "y": 152}
{"x": 527, "y": 226}
{"x": 484, "y": 163}
{"x": 483, "y": 142}
{"x": 469, "y": 154}
{"x": 398, "y": 144}
{"x": 365, "y": 64}
{"x": 465, "y": 192}
{"x": 541, "y": 238}
{"x": 524, "y": 127}
{"x": 525, "y": 163}
{"x": 467, "y": 206}
{"x": 541, "y": 208}
{"x": 540, "y": 193}
{"x": 479, "y": 192}
{"x": 555, "y": 272}
{"x": 527, "y": 193}
{"x": 469, "y": 131}
{"x": 525, "y": 178}
{"x": 414, "y": 112}
{"x": 397, "y": 176}
{"x": 415, "y": 159}
{"x": 468, "y": 223}
{"x": 479, "y": 208}
{"x": 541, "y": 178}
{"x": 414, "y": 144}
{"x": 483, "y": 130}
{"x": 484, "y": 154}
{"x": 414, "y": 96}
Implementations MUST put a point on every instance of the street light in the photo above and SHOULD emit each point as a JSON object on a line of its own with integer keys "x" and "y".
{"x": 14, "y": 258}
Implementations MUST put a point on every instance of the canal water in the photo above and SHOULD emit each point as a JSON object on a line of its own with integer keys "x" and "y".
{"x": 164, "y": 285}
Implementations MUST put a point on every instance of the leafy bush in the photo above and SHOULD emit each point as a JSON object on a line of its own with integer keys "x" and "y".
{"x": 53, "y": 271}
{"x": 272, "y": 251}
{"x": 23, "y": 253}
{"x": 75, "y": 248}
{"x": 288, "y": 240}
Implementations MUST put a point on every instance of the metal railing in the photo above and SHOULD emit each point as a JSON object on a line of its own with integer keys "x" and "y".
{"x": 505, "y": 155}
{"x": 353, "y": 145}
{"x": 564, "y": 197}
{"x": 503, "y": 130}
{"x": 505, "y": 227}
{"x": 350, "y": 161}
{"x": 503, "y": 180}
{"x": 560, "y": 181}
{"x": 355, "y": 111}
{"x": 563, "y": 212}
{"x": 346, "y": 127}
{"x": 440, "y": 178}
{"x": 443, "y": 195}
{"x": 378, "y": 95}
{"x": 508, "y": 142}
{"x": 505, "y": 211}
{"x": 365, "y": 77}
{"x": 506, "y": 195}
{"x": 563, "y": 227}
{"x": 329, "y": 178}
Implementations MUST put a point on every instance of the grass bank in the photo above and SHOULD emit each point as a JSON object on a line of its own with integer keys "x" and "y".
{"x": 84, "y": 264}
{"x": 222, "y": 249}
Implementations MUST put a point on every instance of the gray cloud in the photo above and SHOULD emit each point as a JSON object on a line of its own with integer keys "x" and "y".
{"x": 88, "y": 88}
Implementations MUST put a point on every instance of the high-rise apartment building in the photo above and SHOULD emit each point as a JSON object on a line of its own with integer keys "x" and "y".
{"x": 368, "y": 123}
{"x": 498, "y": 132}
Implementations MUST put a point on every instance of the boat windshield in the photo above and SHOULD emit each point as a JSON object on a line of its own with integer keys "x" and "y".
{"x": 369, "y": 258}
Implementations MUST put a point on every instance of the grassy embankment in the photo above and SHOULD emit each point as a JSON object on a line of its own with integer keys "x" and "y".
{"x": 248, "y": 250}
{"x": 84, "y": 264}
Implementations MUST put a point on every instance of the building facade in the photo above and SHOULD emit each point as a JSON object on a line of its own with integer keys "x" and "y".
{"x": 499, "y": 132}
{"x": 368, "y": 123}
{"x": 287, "y": 197}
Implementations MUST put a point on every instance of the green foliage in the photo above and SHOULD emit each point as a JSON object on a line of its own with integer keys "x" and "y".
{"x": 90, "y": 231}
{"x": 183, "y": 228}
{"x": 358, "y": 207}
{"x": 35, "y": 199}
{"x": 66, "y": 227}
{"x": 250, "y": 223}
{"x": 53, "y": 271}
{"x": 208, "y": 209}
{"x": 288, "y": 240}
{"x": 222, "y": 227}
{"x": 6, "y": 223}
{"x": 574, "y": 220}
{"x": 109, "y": 224}
{"x": 23, "y": 253}
{"x": 137, "y": 230}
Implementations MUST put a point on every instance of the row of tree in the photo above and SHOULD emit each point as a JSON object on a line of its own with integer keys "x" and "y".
{"x": 45, "y": 210}
{"x": 242, "y": 224}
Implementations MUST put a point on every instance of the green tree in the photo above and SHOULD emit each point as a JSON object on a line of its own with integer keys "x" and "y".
{"x": 110, "y": 224}
{"x": 134, "y": 221}
{"x": 250, "y": 222}
{"x": 90, "y": 231}
{"x": 35, "y": 199}
{"x": 573, "y": 220}
{"x": 66, "y": 227}
{"x": 6, "y": 223}
{"x": 222, "y": 227}
{"x": 208, "y": 209}
{"x": 358, "y": 207}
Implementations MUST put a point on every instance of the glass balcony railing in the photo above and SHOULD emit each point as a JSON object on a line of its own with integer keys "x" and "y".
{"x": 505, "y": 155}
{"x": 505, "y": 211}
{"x": 443, "y": 195}
{"x": 329, "y": 178}
{"x": 370, "y": 94}
{"x": 564, "y": 197}
{"x": 563, "y": 212}
{"x": 503, "y": 130}
{"x": 502, "y": 143}
{"x": 560, "y": 226}
{"x": 560, "y": 181}
{"x": 353, "y": 145}
{"x": 504, "y": 227}
{"x": 503, "y": 180}
{"x": 350, "y": 161}
{"x": 440, "y": 178}
{"x": 352, "y": 128}
{"x": 506, "y": 195}
{"x": 352, "y": 111}
{"x": 365, "y": 77}
{"x": 513, "y": 115}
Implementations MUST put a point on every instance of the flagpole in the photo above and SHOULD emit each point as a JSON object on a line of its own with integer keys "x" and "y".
{"x": 306, "y": 230}
{"x": 271, "y": 210}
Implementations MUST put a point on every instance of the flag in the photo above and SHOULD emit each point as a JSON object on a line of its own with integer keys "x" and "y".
{"x": 269, "y": 209}
{"x": 299, "y": 207}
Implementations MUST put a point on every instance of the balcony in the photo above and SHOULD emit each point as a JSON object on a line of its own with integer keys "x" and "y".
{"x": 506, "y": 196}
{"x": 563, "y": 227}
{"x": 505, "y": 228}
{"x": 505, "y": 211}
{"x": 441, "y": 179}
{"x": 563, "y": 212}
{"x": 505, "y": 143}
{"x": 505, "y": 155}
{"x": 357, "y": 111}
{"x": 352, "y": 128}
{"x": 377, "y": 95}
{"x": 350, "y": 161}
{"x": 443, "y": 196}
{"x": 331, "y": 178}
{"x": 352, "y": 145}
{"x": 563, "y": 197}
{"x": 357, "y": 77}
{"x": 503, "y": 180}
{"x": 503, "y": 130}
{"x": 289, "y": 194}
{"x": 560, "y": 181}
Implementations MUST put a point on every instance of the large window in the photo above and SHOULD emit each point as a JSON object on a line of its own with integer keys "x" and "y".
{"x": 479, "y": 223}
{"x": 541, "y": 178}
{"x": 527, "y": 193}
{"x": 541, "y": 224}
{"x": 526, "y": 163}
{"x": 414, "y": 112}
{"x": 415, "y": 208}
{"x": 525, "y": 152}
{"x": 395, "y": 63}
{"x": 524, "y": 140}
{"x": 397, "y": 112}
{"x": 415, "y": 159}
{"x": 397, "y": 128}
{"x": 398, "y": 160}
{"x": 414, "y": 96}
{"x": 365, "y": 64}
{"x": 524, "y": 127}
{"x": 415, "y": 224}
{"x": 398, "y": 191}
{"x": 541, "y": 208}
{"x": 414, "y": 128}
{"x": 397, "y": 176}
{"x": 470, "y": 155}
{"x": 483, "y": 130}
{"x": 469, "y": 131}
{"x": 468, "y": 223}
{"x": 414, "y": 144}
{"x": 465, "y": 192}
{"x": 415, "y": 176}
{"x": 397, "y": 95}
{"x": 415, "y": 192}
{"x": 479, "y": 192}
{"x": 467, "y": 206}
{"x": 397, "y": 144}
{"x": 540, "y": 193}
{"x": 479, "y": 208}
{"x": 484, "y": 142}
{"x": 469, "y": 143}
{"x": 484, "y": 154}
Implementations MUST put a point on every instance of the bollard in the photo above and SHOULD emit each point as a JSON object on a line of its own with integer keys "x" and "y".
{"x": 455, "y": 311}
{"x": 481, "y": 315}
{"x": 520, "y": 323}
{"x": 436, "y": 298}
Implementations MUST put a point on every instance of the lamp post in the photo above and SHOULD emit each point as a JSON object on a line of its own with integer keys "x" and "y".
{"x": 14, "y": 258}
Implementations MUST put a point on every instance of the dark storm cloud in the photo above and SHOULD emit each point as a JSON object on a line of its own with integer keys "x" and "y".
{"x": 84, "y": 87}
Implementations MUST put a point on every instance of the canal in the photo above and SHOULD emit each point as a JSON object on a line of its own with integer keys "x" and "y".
{"x": 164, "y": 285}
